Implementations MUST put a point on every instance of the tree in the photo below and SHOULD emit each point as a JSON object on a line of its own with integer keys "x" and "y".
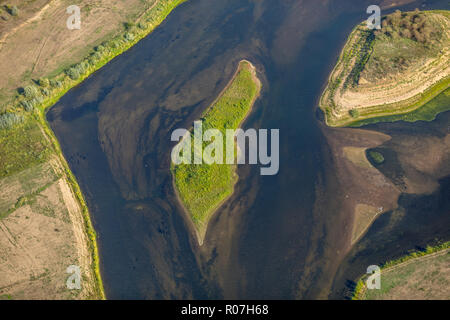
{"x": 8, "y": 120}
{"x": 419, "y": 37}
{"x": 44, "y": 82}
{"x": 397, "y": 15}
{"x": 73, "y": 73}
{"x": 30, "y": 92}
{"x": 396, "y": 18}
{"x": 12, "y": 10}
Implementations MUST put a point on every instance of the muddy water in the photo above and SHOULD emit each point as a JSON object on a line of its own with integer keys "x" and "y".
{"x": 417, "y": 162}
{"x": 283, "y": 236}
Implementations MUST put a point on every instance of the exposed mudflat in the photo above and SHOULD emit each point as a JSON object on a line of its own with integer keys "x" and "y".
{"x": 416, "y": 168}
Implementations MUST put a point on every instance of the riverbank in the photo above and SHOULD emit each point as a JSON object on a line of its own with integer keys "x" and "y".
{"x": 26, "y": 115}
{"x": 202, "y": 189}
{"x": 394, "y": 275}
{"x": 389, "y": 72}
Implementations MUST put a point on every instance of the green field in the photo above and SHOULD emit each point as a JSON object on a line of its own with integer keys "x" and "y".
{"x": 427, "y": 112}
{"x": 202, "y": 187}
{"x": 22, "y": 147}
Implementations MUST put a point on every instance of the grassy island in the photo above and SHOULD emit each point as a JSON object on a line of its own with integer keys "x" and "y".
{"x": 388, "y": 74}
{"x": 202, "y": 188}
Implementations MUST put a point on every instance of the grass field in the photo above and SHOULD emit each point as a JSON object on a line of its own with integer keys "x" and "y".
{"x": 22, "y": 147}
{"x": 202, "y": 188}
{"x": 421, "y": 275}
{"x": 21, "y": 188}
{"x": 425, "y": 278}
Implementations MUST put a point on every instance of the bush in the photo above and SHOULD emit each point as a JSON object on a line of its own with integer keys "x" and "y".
{"x": 12, "y": 10}
{"x": 114, "y": 44}
{"x": 92, "y": 61}
{"x": 44, "y": 82}
{"x": 73, "y": 73}
{"x": 415, "y": 26}
{"x": 128, "y": 25}
{"x": 8, "y": 120}
{"x": 27, "y": 105}
{"x": 95, "y": 57}
{"x": 129, "y": 36}
{"x": 354, "y": 113}
{"x": 39, "y": 99}
{"x": 30, "y": 92}
{"x": 56, "y": 83}
{"x": 45, "y": 91}
{"x": 376, "y": 157}
{"x": 81, "y": 67}
{"x": 142, "y": 25}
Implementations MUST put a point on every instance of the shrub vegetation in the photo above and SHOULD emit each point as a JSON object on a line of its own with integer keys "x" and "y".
{"x": 376, "y": 157}
{"x": 8, "y": 120}
{"x": 12, "y": 10}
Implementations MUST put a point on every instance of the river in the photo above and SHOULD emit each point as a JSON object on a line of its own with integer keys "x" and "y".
{"x": 283, "y": 236}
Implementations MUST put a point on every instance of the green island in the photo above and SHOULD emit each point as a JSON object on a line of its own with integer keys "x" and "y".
{"x": 30, "y": 152}
{"x": 376, "y": 157}
{"x": 419, "y": 275}
{"x": 399, "y": 72}
{"x": 202, "y": 188}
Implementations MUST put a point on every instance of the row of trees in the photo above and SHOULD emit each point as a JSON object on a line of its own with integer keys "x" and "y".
{"x": 363, "y": 53}
{"x": 33, "y": 95}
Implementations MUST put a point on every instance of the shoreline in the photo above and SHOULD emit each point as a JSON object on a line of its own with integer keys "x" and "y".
{"x": 40, "y": 108}
{"x": 70, "y": 178}
{"x": 201, "y": 234}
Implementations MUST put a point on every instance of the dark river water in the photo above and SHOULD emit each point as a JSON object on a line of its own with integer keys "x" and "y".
{"x": 277, "y": 237}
